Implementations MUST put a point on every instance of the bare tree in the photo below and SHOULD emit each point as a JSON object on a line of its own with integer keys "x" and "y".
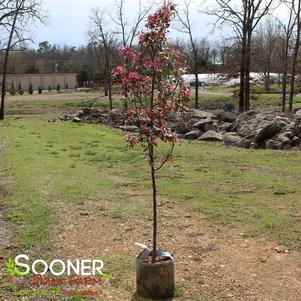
{"x": 186, "y": 27}
{"x": 105, "y": 38}
{"x": 297, "y": 11}
{"x": 265, "y": 50}
{"x": 244, "y": 17}
{"x": 16, "y": 17}
{"x": 288, "y": 31}
{"x": 128, "y": 32}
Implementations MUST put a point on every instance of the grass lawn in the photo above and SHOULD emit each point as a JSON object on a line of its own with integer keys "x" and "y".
{"x": 76, "y": 190}
{"x": 67, "y": 162}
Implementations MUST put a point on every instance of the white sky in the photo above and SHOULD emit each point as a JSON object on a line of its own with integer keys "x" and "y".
{"x": 68, "y": 20}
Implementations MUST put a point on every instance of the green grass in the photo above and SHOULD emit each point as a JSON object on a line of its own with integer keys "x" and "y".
{"x": 54, "y": 163}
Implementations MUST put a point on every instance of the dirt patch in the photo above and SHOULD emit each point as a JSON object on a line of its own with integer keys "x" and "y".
{"x": 213, "y": 263}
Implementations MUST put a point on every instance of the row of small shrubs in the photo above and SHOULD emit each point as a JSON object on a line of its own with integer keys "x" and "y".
{"x": 13, "y": 91}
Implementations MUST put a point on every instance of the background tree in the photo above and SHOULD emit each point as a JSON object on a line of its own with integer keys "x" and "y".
{"x": 16, "y": 16}
{"x": 243, "y": 16}
{"x": 296, "y": 8}
{"x": 266, "y": 49}
{"x": 286, "y": 35}
{"x": 100, "y": 35}
{"x": 184, "y": 16}
{"x": 127, "y": 31}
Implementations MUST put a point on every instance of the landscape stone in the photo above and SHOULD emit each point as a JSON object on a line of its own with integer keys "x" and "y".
{"x": 192, "y": 135}
{"x": 211, "y": 136}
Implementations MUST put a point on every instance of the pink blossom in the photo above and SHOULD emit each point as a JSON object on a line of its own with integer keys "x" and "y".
{"x": 186, "y": 91}
{"x": 150, "y": 65}
{"x": 135, "y": 76}
{"x": 128, "y": 54}
{"x": 132, "y": 140}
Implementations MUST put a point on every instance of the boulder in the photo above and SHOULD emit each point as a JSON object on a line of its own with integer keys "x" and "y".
{"x": 192, "y": 135}
{"x": 190, "y": 124}
{"x": 211, "y": 136}
{"x": 286, "y": 143}
{"x": 226, "y": 117}
{"x": 202, "y": 123}
{"x": 235, "y": 126}
{"x": 296, "y": 141}
{"x": 231, "y": 138}
{"x": 225, "y": 127}
{"x": 245, "y": 143}
{"x": 273, "y": 144}
{"x": 266, "y": 132}
{"x": 298, "y": 113}
{"x": 76, "y": 119}
{"x": 199, "y": 114}
{"x": 181, "y": 128}
{"x": 248, "y": 114}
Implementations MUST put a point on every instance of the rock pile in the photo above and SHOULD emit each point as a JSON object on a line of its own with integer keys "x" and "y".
{"x": 265, "y": 130}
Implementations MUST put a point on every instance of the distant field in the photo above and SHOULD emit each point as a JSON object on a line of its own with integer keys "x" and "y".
{"x": 209, "y": 98}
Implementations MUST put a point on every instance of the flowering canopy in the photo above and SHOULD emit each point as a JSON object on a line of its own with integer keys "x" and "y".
{"x": 152, "y": 80}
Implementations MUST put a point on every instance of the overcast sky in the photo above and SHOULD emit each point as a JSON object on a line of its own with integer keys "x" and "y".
{"x": 68, "y": 20}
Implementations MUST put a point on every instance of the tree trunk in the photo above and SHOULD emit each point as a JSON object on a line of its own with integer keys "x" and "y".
{"x": 106, "y": 89}
{"x": 248, "y": 67}
{"x": 109, "y": 78}
{"x": 154, "y": 189}
{"x": 242, "y": 73}
{"x": 284, "y": 86}
{"x": 110, "y": 91}
{"x": 196, "y": 89}
{"x": 284, "y": 77}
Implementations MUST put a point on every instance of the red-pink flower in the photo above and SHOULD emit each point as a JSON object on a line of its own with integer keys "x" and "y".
{"x": 150, "y": 65}
{"x": 132, "y": 140}
{"x": 135, "y": 77}
{"x": 186, "y": 91}
{"x": 128, "y": 55}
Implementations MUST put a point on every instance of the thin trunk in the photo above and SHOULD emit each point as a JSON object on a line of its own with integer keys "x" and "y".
{"x": 295, "y": 57}
{"x": 109, "y": 79}
{"x": 284, "y": 79}
{"x": 248, "y": 65}
{"x": 154, "y": 188}
{"x": 3, "y": 85}
{"x": 196, "y": 89}
{"x": 153, "y": 175}
{"x": 106, "y": 89}
{"x": 284, "y": 86}
{"x": 242, "y": 75}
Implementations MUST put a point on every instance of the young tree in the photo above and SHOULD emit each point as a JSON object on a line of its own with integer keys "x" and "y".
{"x": 16, "y": 16}
{"x": 243, "y": 16}
{"x": 154, "y": 73}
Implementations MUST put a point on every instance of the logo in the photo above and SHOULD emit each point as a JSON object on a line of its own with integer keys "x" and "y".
{"x": 61, "y": 277}
{"x": 21, "y": 266}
